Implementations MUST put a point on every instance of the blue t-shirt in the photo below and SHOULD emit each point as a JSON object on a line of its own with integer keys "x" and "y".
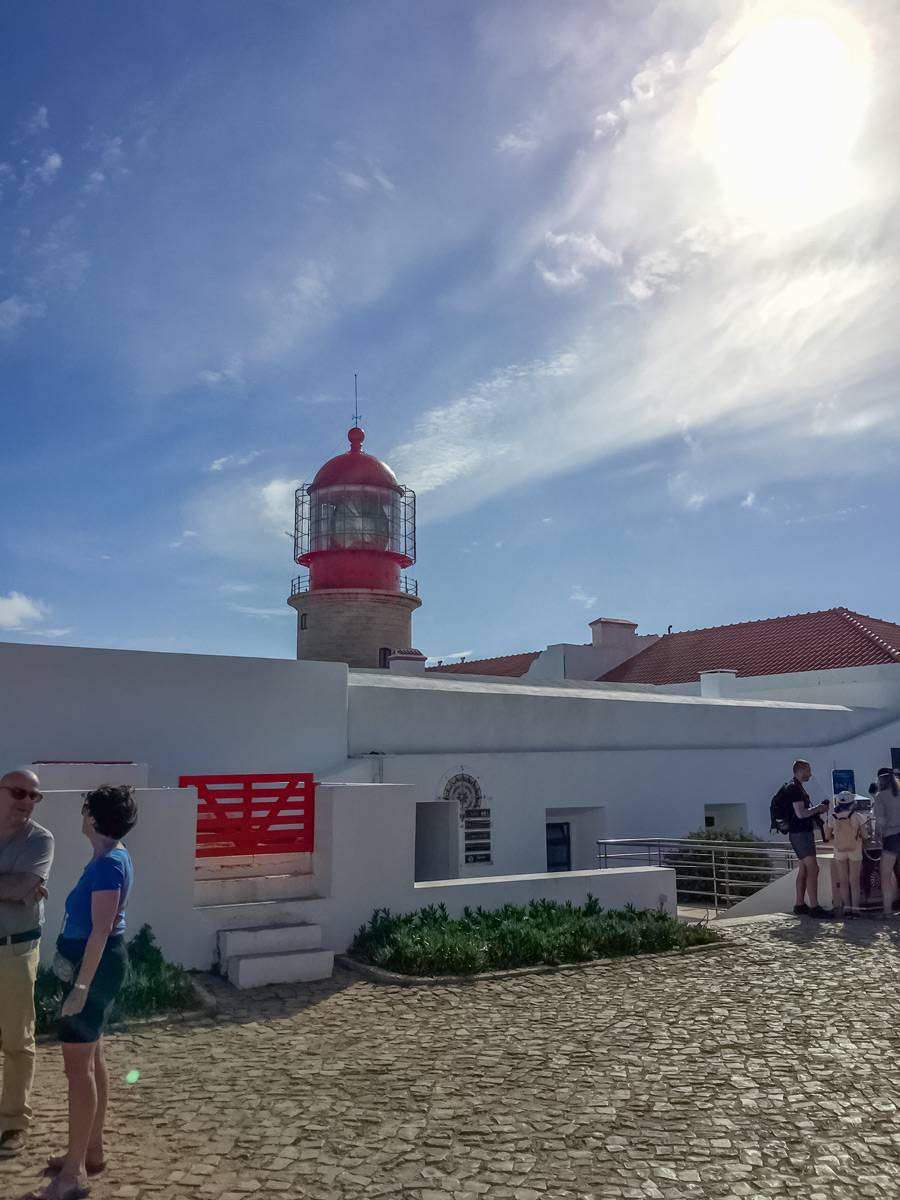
{"x": 112, "y": 872}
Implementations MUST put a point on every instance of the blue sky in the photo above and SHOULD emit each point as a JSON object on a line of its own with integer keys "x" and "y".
{"x": 619, "y": 281}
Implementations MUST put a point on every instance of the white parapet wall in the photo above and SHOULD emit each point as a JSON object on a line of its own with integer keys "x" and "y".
{"x": 364, "y": 859}
{"x": 643, "y": 887}
{"x": 163, "y": 848}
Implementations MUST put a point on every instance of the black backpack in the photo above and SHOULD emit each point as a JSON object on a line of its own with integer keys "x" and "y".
{"x": 781, "y": 808}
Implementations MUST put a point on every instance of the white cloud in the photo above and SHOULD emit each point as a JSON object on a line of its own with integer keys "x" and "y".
{"x": 220, "y": 463}
{"x": 45, "y": 172}
{"x": 766, "y": 318}
{"x": 575, "y": 254}
{"x": 14, "y": 310}
{"x": 245, "y": 522}
{"x": 685, "y": 488}
{"x": 18, "y": 611}
{"x": 185, "y": 536}
{"x": 606, "y": 123}
{"x": 296, "y": 309}
{"x": 749, "y": 500}
{"x": 443, "y": 658}
{"x": 231, "y": 372}
{"x": 38, "y": 121}
{"x": 840, "y": 514}
{"x": 266, "y": 614}
{"x": 467, "y": 434}
{"x": 376, "y": 178}
{"x": 523, "y": 141}
{"x": 581, "y": 597}
{"x": 7, "y": 176}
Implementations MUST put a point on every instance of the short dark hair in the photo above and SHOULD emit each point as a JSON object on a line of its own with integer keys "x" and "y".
{"x": 112, "y": 809}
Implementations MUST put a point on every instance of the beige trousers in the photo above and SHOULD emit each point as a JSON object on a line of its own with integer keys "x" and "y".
{"x": 18, "y": 970}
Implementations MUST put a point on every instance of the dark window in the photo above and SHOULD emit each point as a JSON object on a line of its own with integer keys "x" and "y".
{"x": 303, "y": 620}
{"x": 383, "y": 655}
{"x": 710, "y": 821}
{"x": 559, "y": 846}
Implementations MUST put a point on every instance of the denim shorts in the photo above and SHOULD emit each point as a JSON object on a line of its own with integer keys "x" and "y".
{"x": 89, "y": 1024}
{"x": 803, "y": 843}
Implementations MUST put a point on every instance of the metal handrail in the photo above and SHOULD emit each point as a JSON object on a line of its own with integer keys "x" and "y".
{"x": 301, "y": 584}
{"x": 721, "y": 872}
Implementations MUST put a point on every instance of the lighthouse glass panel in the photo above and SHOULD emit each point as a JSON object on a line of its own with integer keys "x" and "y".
{"x": 358, "y": 517}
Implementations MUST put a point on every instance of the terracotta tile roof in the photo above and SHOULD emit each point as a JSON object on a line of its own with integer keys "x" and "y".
{"x": 511, "y": 665}
{"x": 778, "y": 646}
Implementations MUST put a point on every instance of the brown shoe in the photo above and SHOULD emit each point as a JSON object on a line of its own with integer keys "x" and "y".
{"x": 12, "y": 1141}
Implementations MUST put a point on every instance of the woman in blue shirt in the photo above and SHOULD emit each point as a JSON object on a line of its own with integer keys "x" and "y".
{"x": 93, "y": 941}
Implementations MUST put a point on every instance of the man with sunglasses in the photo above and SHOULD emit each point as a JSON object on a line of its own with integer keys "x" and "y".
{"x": 26, "y": 852}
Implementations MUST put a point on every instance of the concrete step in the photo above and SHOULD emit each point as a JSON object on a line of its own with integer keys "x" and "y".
{"x": 288, "y": 966}
{"x": 269, "y": 939}
{"x": 252, "y": 890}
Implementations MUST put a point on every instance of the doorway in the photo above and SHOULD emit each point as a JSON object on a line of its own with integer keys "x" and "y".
{"x": 559, "y": 846}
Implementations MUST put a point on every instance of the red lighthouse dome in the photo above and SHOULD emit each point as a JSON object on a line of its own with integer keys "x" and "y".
{"x": 355, "y": 466}
{"x": 355, "y": 529}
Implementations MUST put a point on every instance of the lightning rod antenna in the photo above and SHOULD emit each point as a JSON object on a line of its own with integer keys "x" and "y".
{"x": 355, "y": 402}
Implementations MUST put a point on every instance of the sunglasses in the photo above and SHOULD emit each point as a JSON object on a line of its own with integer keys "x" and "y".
{"x": 21, "y": 793}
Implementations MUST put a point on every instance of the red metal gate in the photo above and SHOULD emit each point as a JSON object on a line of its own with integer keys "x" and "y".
{"x": 253, "y": 814}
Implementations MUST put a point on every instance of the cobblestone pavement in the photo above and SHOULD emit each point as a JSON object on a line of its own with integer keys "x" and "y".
{"x": 768, "y": 1069}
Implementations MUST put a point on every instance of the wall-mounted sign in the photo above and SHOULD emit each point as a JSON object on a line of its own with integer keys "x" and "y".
{"x": 475, "y": 820}
{"x": 843, "y": 781}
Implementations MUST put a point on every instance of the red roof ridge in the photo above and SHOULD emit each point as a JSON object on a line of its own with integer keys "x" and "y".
{"x": 476, "y": 666}
{"x": 756, "y": 621}
{"x": 857, "y": 620}
{"x": 828, "y": 639}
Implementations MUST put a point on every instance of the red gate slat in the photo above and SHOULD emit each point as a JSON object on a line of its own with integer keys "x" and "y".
{"x": 253, "y": 814}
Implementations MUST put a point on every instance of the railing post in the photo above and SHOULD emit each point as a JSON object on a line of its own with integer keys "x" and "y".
{"x": 715, "y": 886}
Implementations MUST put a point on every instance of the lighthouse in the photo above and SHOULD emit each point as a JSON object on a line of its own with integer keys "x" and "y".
{"x": 355, "y": 530}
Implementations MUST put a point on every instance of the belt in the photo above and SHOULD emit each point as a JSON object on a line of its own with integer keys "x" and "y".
{"x": 33, "y": 935}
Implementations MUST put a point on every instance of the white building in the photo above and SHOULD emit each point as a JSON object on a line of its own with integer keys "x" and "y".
{"x": 474, "y": 783}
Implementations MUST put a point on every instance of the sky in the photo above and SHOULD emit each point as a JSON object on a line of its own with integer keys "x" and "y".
{"x": 619, "y": 281}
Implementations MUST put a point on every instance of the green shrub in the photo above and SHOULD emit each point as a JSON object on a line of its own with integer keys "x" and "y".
{"x": 741, "y": 876}
{"x": 429, "y": 942}
{"x": 152, "y": 985}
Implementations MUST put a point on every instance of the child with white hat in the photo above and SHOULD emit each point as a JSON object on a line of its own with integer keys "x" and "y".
{"x": 846, "y": 829}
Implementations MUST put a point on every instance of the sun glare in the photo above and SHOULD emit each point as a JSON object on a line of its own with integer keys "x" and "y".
{"x": 781, "y": 117}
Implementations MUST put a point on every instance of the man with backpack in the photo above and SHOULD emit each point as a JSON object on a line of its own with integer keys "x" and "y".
{"x": 793, "y": 814}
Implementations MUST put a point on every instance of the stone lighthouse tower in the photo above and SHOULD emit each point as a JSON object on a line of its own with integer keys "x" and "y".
{"x": 354, "y": 528}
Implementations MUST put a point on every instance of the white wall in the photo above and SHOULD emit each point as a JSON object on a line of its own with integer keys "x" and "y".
{"x": 400, "y": 715}
{"x": 642, "y": 793}
{"x": 179, "y": 713}
{"x": 364, "y": 859}
{"x": 862, "y": 687}
{"x": 568, "y": 660}
{"x": 162, "y": 846}
{"x": 368, "y": 832}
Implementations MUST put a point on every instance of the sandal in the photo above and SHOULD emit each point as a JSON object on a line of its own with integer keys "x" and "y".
{"x": 55, "y": 1165}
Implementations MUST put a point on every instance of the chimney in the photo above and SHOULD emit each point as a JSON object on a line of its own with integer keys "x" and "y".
{"x": 407, "y": 662}
{"x": 612, "y": 632}
{"x": 718, "y": 684}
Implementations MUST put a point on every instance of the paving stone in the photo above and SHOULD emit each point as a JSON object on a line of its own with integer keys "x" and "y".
{"x": 661, "y": 1079}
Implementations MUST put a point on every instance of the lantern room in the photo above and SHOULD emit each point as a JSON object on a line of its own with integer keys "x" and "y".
{"x": 354, "y": 525}
{"x": 355, "y": 529}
